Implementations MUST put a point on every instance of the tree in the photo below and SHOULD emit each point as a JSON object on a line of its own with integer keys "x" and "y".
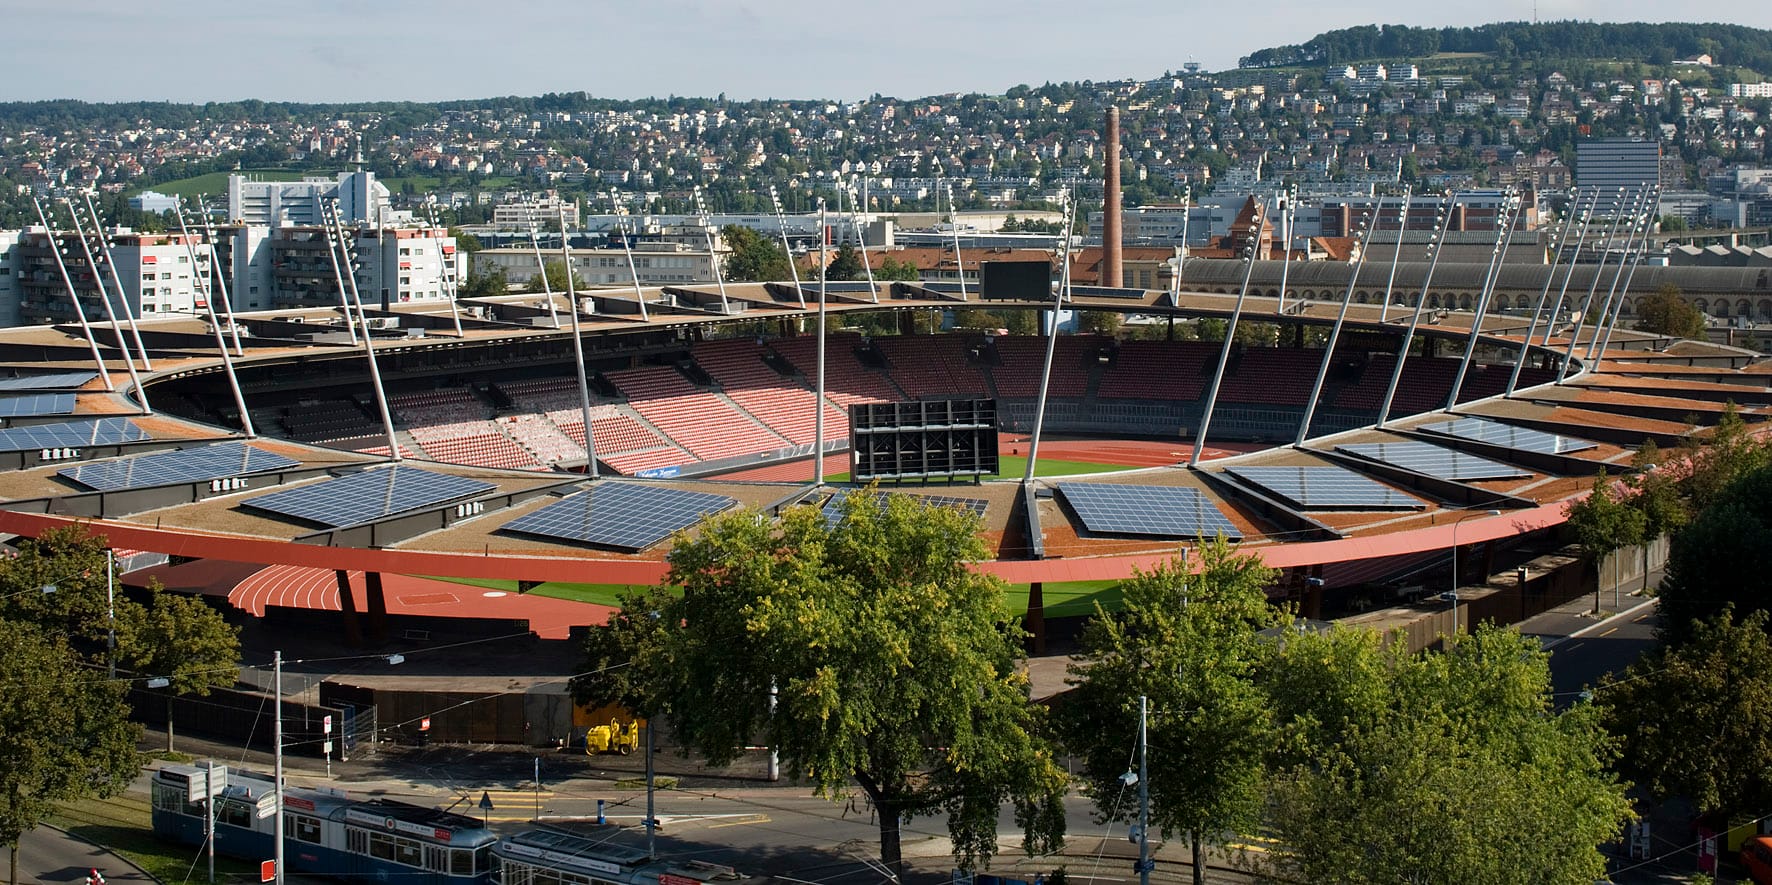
{"x": 894, "y": 269}
{"x": 1434, "y": 767}
{"x": 1188, "y": 643}
{"x": 1695, "y": 718}
{"x": 1603, "y": 525}
{"x": 555, "y": 271}
{"x": 1099, "y": 322}
{"x": 180, "y": 639}
{"x": 845, "y": 266}
{"x": 1723, "y": 557}
{"x": 1667, "y": 312}
{"x": 465, "y": 241}
{"x": 1655, "y": 493}
{"x": 754, "y": 257}
{"x": 483, "y": 285}
{"x": 864, "y": 629}
{"x": 1716, "y": 462}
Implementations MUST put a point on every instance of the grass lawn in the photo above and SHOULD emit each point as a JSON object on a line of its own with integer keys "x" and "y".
{"x": 121, "y": 824}
{"x": 215, "y": 184}
{"x": 595, "y": 594}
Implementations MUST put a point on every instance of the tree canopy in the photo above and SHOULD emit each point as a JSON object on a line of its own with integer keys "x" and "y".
{"x": 1435, "y": 767}
{"x": 1667, "y": 312}
{"x": 1189, "y": 644}
{"x": 754, "y": 257}
{"x": 1695, "y": 718}
{"x": 555, "y": 272}
{"x": 1604, "y": 524}
{"x": 1655, "y": 43}
{"x": 845, "y": 265}
{"x": 864, "y": 629}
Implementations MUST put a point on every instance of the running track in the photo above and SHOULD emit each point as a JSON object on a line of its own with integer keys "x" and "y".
{"x": 312, "y": 588}
{"x": 1125, "y": 452}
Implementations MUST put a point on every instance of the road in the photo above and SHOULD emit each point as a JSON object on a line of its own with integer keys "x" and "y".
{"x": 51, "y": 857}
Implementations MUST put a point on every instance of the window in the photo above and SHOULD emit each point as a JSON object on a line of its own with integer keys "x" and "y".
{"x": 184, "y": 259}
{"x": 356, "y": 841}
{"x": 235, "y": 814}
{"x": 166, "y": 276}
{"x": 461, "y": 862}
{"x": 301, "y": 828}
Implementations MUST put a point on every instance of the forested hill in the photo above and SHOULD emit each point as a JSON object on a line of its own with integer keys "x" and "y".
{"x": 1732, "y": 45}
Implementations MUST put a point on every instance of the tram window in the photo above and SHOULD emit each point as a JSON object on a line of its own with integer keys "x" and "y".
{"x": 235, "y": 814}
{"x": 514, "y": 873}
{"x": 302, "y": 828}
{"x": 356, "y": 841}
{"x": 483, "y": 858}
{"x": 461, "y": 862}
{"x": 436, "y": 859}
{"x": 408, "y": 852}
{"x": 381, "y": 845}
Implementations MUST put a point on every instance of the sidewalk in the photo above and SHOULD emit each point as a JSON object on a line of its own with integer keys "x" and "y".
{"x": 50, "y": 856}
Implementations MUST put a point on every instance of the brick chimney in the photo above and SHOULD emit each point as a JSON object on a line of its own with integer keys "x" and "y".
{"x": 1111, "y": 274}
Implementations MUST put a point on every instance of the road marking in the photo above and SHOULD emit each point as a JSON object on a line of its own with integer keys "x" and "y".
{"x": 1639, "y": 619}
{"x": 753, "y": 819}
{"x": 1608, "y": 632}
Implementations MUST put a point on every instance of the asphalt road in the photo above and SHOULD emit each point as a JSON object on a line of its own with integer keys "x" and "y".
{"x": 51, "y": 857}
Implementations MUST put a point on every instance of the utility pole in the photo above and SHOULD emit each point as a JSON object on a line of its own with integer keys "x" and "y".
{"x": 1144, "y": 795}
{"x": 277, "y": 741}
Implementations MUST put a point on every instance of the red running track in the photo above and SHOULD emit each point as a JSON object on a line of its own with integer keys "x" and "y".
{"x": 1124, "y": 452}
{"x": 312, "y": 588}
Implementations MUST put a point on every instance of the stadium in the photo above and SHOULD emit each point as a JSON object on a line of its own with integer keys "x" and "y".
{"x": 704, "y": 399}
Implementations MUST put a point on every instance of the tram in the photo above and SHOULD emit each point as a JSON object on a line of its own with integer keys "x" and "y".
{"x": 554, "y": 857}
{"x": 325, "y": 832}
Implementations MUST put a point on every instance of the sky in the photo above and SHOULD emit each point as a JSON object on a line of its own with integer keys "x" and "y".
{"x": 336, "y": 51}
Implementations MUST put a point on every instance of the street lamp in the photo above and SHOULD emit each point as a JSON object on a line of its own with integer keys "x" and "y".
{"x": 1452, "y": 595}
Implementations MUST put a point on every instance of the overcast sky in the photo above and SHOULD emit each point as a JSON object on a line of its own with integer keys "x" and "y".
{"x": 331, "y": 50}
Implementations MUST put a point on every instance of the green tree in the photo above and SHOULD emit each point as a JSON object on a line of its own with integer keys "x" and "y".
{"x": 1190, "y": 644}
{"x": 845, "y": 266}
{"x": 1604, "y": 524}
{"x": 1695, "y": 719}
{"x": 555, "y": 271}
{"x": 1667, "y": 312}
{"x": 1723, "y": 557}
{"x": 181, "y": 639}
{"x": 754, "y": 257}
{"x": 865, "y": 628}
{"x": 484, "y": 285}
{"x": 1099, "y": 322}
{"x": 894, "y": 269}
{"x": 465, "y": 241}
{"x": 1434, "y": 767}
{"x": 1655, "y": 493}
{"x": 1718, "y": 460}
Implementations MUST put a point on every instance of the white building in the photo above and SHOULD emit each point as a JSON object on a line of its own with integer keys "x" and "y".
{"x": 361, "y": 200}
{"x": 657, "y": 264}
{"x": 8, "y": 280}
{"x": 1750, "y": 90}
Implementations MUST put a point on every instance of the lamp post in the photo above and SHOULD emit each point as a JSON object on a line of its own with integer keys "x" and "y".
{"x": 1452, "y": 595}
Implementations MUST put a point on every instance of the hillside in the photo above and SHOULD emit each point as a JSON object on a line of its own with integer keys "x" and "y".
{"x": 1659, "y": 44}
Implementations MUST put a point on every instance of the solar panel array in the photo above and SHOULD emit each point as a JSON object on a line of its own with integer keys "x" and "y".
{"x": 625, "y": 516}
{"x": 1106, "y": 292}
{"x": 1156, "y": 511}
{"x": 218, "y": 461}
{"x": 369, "y": 495}
{"x": 1326, "y": 487}
{"x": 71, "y": 434}
{"x": 34, "y": 404}
{"x": 833, "y": 507}
{"x": 1432, "y": 460}
{"x": 1521, "y": 439}
{"x": 54, "y": 381}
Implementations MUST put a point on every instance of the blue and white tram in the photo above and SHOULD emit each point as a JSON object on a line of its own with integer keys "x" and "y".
{"x": 553, "y": 857}
{"x": 327, "y": 834}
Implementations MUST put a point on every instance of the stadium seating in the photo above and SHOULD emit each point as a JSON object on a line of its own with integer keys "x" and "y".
{"x": 1023, "y": 356}
{"x": 847, "y": 381}
{"x": 539, "y": 435}
{"x": 1273, "y": 376}
{"x": 1159, "y": 370}
{"x": 933, "y": 366}
{"x": 699, "y": 421}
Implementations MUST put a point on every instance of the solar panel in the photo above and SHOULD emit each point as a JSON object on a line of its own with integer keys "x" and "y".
{"x": 55, "y": 381}
{"x": 833, "y": 508}
{"x": 1433, "y": 460}
{"x": 219, "y": 461}
{"x": 1106, "y": 292}
{"x": 626, "y": 516}
{"x": 33, "y": 404}
{"x": 1507, "y": 435}
{"x": 1156, "y": 511}
{"x": 1326, "y": 487}
{"x": 71, "y": 434}
{"x": 368, "y": 495}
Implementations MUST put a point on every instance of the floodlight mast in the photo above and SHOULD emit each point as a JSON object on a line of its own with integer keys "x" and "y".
{"x": 1639, "y": 227}
{"x": 1593, "y": 287}
{"x": 135, "y": 380}
{"x": 781, "y": 226}
{"x": 627, "y": 248}
{"x": 1288, "y": 211}
{"x": 221, "y": 345}
{"x": 1435, "y": 243}
{"x": 1636, "y": 261}
{"x": 1390, "y": 284}
{"x": 444, "y": 262}
{"x": 1230, "y": 334}
{"x": 541, "y": 269}
{"x": 1560, "y": 241}
{"x": 104, "y": 245}
{"x": 1504, "y": 238}
{"x": 818, "y": 413}
{"x": 221, "y": 277}
{"x": 1347, "y": 299}
{"x": 954, "y": 225}
{"x": 329, "y": 210}
{"x": 79, "y": 311}
{"x": 861, "y": 243}
{"x": 578, "y": 351}
{"x": 701, "y": 213}
{"x": 1058, "y": 300}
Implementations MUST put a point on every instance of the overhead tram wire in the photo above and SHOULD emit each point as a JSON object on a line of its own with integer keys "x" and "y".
{"x": 79, "y": 310}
